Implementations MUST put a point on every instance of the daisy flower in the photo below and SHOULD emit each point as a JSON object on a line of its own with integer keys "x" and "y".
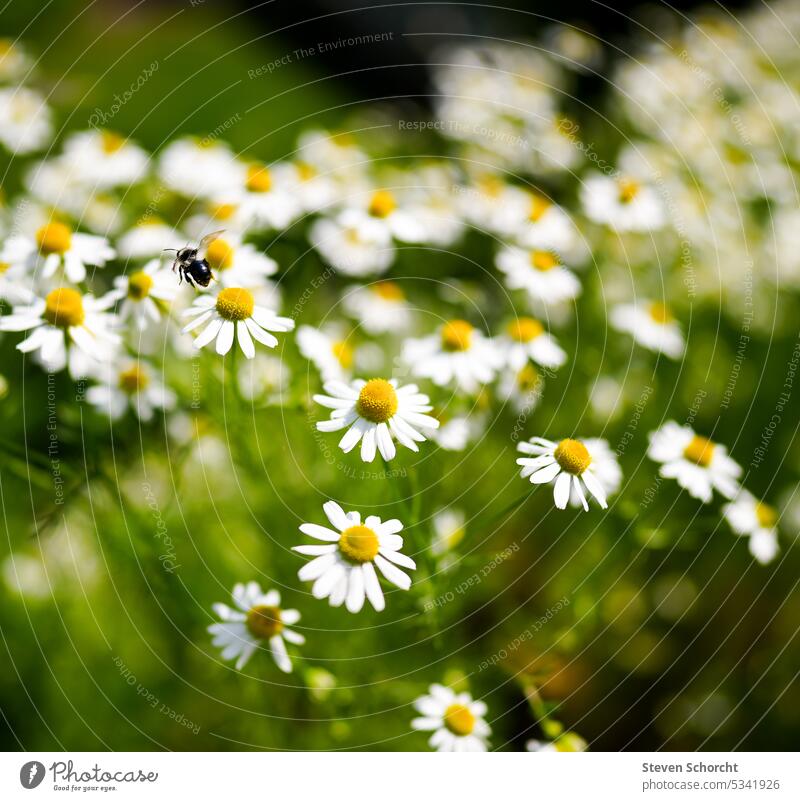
{"x": 265, "y": 199}
{"x": 234, "y": 310}
{"x": 652, "y": 326}
{"x": 14, "y": 60}
{"x": 454, "y": 433}
{"x": 200, "y": 168}
{"x": 523, "y": 388}
{"x": 256, "y": 619}
{"x": 458, "y": 352}
{"x": 605, "y": 469}
{"x": 457, "y": 722}
{"x": 401, "y": 223}
{"x": 25, "y": 120}
{"x": 492, "y": 205}
{"x": 343, "y": 570}
{"x": 571, "y": 465}
{"x": 758, "y": 521}
{"x": 67, "y": 329}
{"x": 353, "y": 242}
{"x": 237, "y": 264}
{"x": 375, "y": 412}
{"x": 622, "y": 203}
{"x": 448, "y": 530}
{"x": 104, "y": 159}
{"x": 147, "y": 293}
{"x": 147, "y": 239}
{"x": 56, "y": 245}
{"x": 540, "y": 273}
{"x": 696, "y": 463}
{"x": 547, "y": 227}
{"x": 381, "y": 307}
{"x": 525, "y": 339}
{"x": 309, "y": 187}
{"x": 332, "y": 354}
{"x": 134, "y": 386}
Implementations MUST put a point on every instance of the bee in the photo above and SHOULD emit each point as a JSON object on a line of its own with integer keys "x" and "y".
{"x": 191, "y": 264}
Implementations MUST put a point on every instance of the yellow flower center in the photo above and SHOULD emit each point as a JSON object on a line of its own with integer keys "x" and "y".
{"x": 528, "y": 378}
{"x": 573, "y": 456}
{"x": 382, "y": 204}
{"x": 388, "y": 290}
{"x": 539, "y": 205}
{"x": 359, "y": 544}
{"x": 490, "y": 185}
{"x": 139, "y": 285}
{"x": 767, "y": 515}
{"x": 219, "y": 254}
{"x": 223, "y": 211}
{"x": 456, "y": 335}
{"x": 111, "y": 142}
{"x": 525, "y": 329}
{"x": 660, "y": 313}
{"x": 305, "y": 170}
{"x": 4, "y": 267}
{"x": 133, "y": 380}
{"x": 543, "y": 260}
{"x": 264, "y": 622}
{"x": 343, "y": 353}
{"x": 54, "y": 237}
{"x": 258, "y": 178}
{"x": 700, "y": 451}
{"x": 459, "y": 720}
{"x": 235, "y": 303}
{"x": 628, "y": 189}
{"x": 64, "y": 307}
{"x": 377, "y": 401}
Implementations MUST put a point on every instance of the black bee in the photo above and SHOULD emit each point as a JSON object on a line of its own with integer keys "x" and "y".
{"x": 191, "y": 264}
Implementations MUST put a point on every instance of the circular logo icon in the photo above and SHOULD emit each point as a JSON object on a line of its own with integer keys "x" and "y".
{"x": 31, "y": 774}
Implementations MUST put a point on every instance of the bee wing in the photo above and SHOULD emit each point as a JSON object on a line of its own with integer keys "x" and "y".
{"x": 209, "y": 238}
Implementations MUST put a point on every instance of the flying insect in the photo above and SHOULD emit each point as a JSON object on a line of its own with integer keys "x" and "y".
{"x": 191, "y": 263}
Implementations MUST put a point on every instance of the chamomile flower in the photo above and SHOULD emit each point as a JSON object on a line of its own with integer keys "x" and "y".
{"x": 448, "y": 530}
{"x": 25, "y": 120}
{"x": 522, "y": 388}
{"x": 605, "y": 469}
{"x": 547, "y": 227}
{"x": 67, "y": 329}
{"x": 331, "y": 352}
{"x": 309, "y": 187}
{"x": 146, "y": 294}
{"x": 343, "y": 570}
{"x": 491, "y": 204}
{"x": 454, "y": 433}
{"x": 651, "y": 325}
{"x": 15, "y": 61}
{"x": 525, "y": 339}
{"x": 622, "y": 203}
{"x": 135, "y": 386}
{"x": 56, "y": 245}
{"x": 456, "y": 720}
{"x": 265, "y": 199}
{"x": 147, "y": 239}
{"x": 402, "y": 223}
{"x": 234, "y": 311}
{"x": 237, "y": 264}
{"x": 353, "y": 242}
{"x": 699, "y": 465}
{"x": 457, "y": 353}
{"x": 104, "y": 159}
{"x": 540, "y": 273}
{"x": 752, "y": 518}
{"x": 375, "y": 412}
{"x": 255, "y": 621}
{"x": 380, "y": 307}
{"x": 570, "y": 464}
{"x": 200, "y": 168}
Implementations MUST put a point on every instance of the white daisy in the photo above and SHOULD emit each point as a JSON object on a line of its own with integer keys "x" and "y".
{"x": 264, "y": 199}
{"x": 547, "y": 227}
{"x": 256, "y": 620}
{"x": 234, "y": 311}
{"x": 401, "y": 222}
{"x": 525, "y": 339}
{"x": 148, "y": 239}
{"x": 135, "y": 386}
{"x": 353, "y": 242}
{"x": 237, "y": 264}
{"x": 458, "y": 352}
{"x": 375, "y": 412}
{"x": 540, "y": 273}
{"x": 605, "y": 469}
{"x": 757, "y": 520}
{"x": 448, "y": 530}
{"x": 331, "y": 353}
{"x": 621, "y": 202}
{"x": 104, "y": 159}
{"x": 25, "y": 120}
{"x": 56, "y": 245}
{"x": 696, "y": 463}
{"x": 147, "y": 294}
{"x": 651, "y": 325}
{"x": 14, "y": 60}
{"x": 344, "y": 568}
{"x": 380, "y": 307}
{"x": 457, "y": 722}
{"x": 264, "y": 379}
{"x": 200, "y": 168}
{"x": 491, "y": 204}
{"x": 309, "y": 187}
{"x": 454, "y": 433}
{"x": 69, "y": 329}
{"x": 570, "y": 464}
{"x": 522, "y": 388}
